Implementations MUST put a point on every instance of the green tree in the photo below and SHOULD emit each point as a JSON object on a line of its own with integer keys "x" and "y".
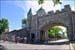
{"x": 40, "y": 1}
{"x": 54, "y": 32}
{"x": 4, "y": 24}
{"x": 24, "y": 21}
{"x": 54, "y": 1}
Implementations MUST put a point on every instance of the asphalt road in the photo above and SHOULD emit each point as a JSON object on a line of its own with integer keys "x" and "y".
{"x": 20, "y": 46}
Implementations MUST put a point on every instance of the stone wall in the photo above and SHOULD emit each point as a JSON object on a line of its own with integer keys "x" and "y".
{"x": 16, "y": 34}
{"x": 73, "y": 15}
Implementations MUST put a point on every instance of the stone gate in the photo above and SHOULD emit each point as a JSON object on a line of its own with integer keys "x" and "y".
{"x": 39, "y": 23}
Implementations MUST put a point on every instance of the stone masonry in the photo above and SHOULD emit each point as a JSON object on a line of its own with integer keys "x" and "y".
{"x": 42, "y": 21}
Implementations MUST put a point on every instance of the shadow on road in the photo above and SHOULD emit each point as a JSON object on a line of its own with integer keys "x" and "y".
{"x": 54, "y": 43}
{"x": 73, "y": 41}
{"x": 2, "y": 47}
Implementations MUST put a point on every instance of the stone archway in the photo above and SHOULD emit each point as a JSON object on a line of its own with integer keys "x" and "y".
{"x": 41, "y": 20}
{"x": 44, "y": 30}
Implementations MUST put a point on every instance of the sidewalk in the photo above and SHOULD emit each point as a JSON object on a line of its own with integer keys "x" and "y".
{"x": 71, "y": 47}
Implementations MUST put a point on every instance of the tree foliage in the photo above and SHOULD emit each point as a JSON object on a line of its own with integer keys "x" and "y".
{"x": 54, "y": 1}
{"x": 40, "y": 1}
{"x": 54, "y": 31}
{"x": 4, "y": 24}
{"x": 24, "y": 21}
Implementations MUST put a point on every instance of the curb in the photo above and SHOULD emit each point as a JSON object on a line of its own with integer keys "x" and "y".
{"x": 71, "y": 47}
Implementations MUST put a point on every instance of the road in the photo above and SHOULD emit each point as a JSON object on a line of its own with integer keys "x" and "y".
{"x": 21, "y": 46}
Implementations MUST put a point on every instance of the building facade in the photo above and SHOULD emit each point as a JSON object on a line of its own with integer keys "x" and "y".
{"x": 39, "y": 23}
{"x": 20, "y": 35}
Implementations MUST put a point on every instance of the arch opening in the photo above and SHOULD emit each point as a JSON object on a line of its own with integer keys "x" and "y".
{"x": 53, "y": 32}
{"x": 57, "y": 33}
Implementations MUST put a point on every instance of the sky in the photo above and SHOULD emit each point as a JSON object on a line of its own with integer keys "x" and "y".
{"x": 16, "y": 10}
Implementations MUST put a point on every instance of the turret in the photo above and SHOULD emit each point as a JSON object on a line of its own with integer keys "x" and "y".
{"x": 29, "y": 12}
{"x": 41, "y": 12}
{"x": 29, "y": 17}
{"x": 66, "y": 8}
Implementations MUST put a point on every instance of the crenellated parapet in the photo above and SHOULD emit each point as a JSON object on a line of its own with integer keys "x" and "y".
{"x": 65, "y": 9}
{"x": 41, "y": 12}
{"x": 51, "y": 13}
